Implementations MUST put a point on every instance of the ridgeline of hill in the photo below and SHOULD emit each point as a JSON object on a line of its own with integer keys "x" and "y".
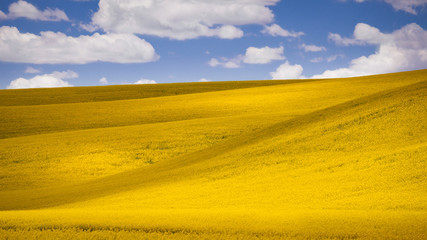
{"x": 41, "y": 96}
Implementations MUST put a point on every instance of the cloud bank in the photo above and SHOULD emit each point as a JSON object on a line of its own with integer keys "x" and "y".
{"x": 402, "y": 50}
{"x": 58, "y": 48}
{"x": 182, "y": 19}
{"x": 55, "y": 79}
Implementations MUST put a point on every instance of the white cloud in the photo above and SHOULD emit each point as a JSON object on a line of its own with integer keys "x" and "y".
{"x": 312, "y": 48}
{"x": 204, "y": 80}
{"x": 55, "y": 79}
{"x": 58, "y": 48}
{"x": 276, "y": 30}
{"x": 404, "y": 5}
{"x": 31, "y": 70}
{"x": 402, "y": 50}
{"x": 226, "y": 62}
{"x": 229, "y": 32}
{"x": 252, "y": 55}
{"x": 263, "y": 55}
{"x": 343, "y": 41}
{"x": 288, "y": 71}
{"x": 407, "y": 5}
{"x": 363, "y": 35}
{"x": 27, "y": 10}
{"x": 145, "y": 81}
{"x": 182, "y": 19}
{"x": 214, "y": 62}
{"x": 103, "y": 80}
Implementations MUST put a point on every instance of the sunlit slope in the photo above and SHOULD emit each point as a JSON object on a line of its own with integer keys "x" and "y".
{"x": 290, "y": 99}
{"x": 367, "y": 153}
{"x": 364, "y": 154}
{"x": 40, "y": 96}
{"x": 77, "y": 156}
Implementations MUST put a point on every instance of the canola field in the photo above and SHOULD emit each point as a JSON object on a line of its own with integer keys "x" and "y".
{"x": 306, "y": 159}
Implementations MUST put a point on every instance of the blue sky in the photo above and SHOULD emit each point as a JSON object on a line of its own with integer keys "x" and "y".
{"x": 52, "y": 43}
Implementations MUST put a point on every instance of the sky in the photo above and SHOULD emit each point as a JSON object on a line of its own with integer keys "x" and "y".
{"x": 60, "y": 43}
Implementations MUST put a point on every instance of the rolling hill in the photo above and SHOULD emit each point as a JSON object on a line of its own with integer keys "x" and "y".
{"x": 317, "y": 159}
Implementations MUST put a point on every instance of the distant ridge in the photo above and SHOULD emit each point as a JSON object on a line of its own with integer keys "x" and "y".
{"x": 42, "y": 96}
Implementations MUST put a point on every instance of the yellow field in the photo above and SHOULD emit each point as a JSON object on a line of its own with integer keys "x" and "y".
{"x": 322, "y": 159}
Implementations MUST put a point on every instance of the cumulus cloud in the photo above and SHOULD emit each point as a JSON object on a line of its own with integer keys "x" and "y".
{"x": 103, "y": 80}
{"x": 276, "y": 30}
{"x": 404, "y": 5}
{"x": 402, "y": 50}
{"x": 145, "y": 81}
{"x": 363, "y": 34}
{"x": 27, "y": 10}
{"x": 252, "y": 55}
{"x": 228, "y": 32}
{"x": 288, "y": 71}
{"x": 263, "y": 55}
{"x": 31, "y": 70}
{"x": 58, "y": 48}
{"x": 55, "y": 79}
{"x": 312, "y": 48}
{"x": 182, "y": 19}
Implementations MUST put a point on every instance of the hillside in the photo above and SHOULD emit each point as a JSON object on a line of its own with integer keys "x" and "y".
{"x": 42, "y": 96}
{"x": 322, "y": 159}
